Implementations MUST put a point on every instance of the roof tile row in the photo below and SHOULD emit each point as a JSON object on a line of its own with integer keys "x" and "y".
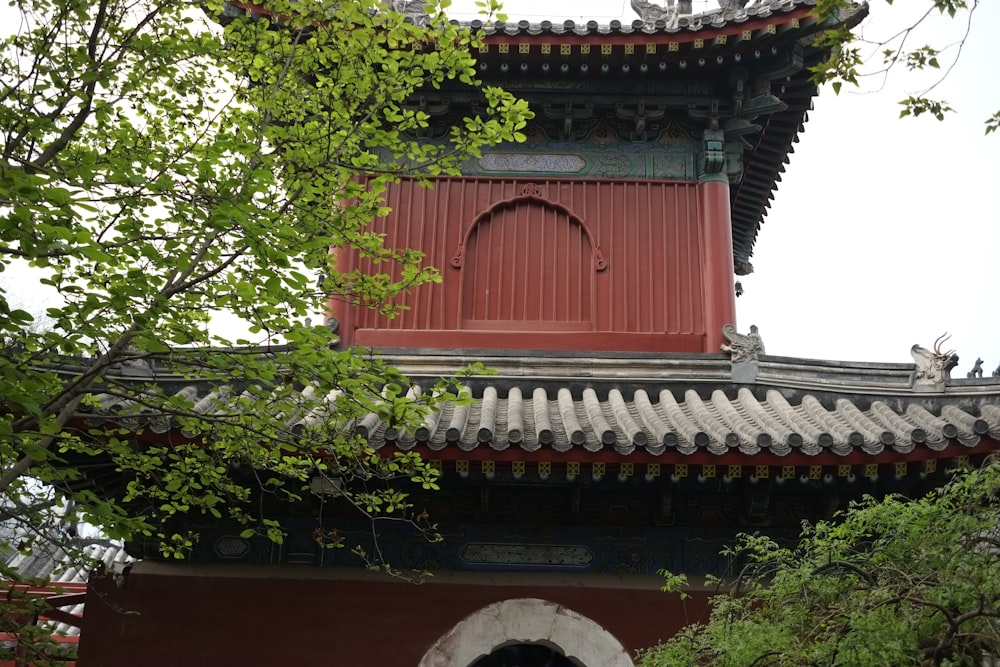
{"x": 718, "y": 425}
{"x": 533, "y": 418}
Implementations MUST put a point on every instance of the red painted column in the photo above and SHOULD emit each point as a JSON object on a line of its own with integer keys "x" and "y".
{"x": 717, "y": 271}
{"x": 338, "y": 307}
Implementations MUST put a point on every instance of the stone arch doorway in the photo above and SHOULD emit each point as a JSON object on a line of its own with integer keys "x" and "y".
{"x": 523, "y": 622}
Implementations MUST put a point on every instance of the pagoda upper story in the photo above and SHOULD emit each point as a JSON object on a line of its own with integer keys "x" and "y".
{"x": 620, "y": 222}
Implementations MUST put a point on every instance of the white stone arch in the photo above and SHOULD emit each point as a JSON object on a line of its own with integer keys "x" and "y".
{"x": 527, "y": 621}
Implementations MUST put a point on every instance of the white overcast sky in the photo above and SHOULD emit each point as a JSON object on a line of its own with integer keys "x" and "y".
{"x": 884, "y": 232}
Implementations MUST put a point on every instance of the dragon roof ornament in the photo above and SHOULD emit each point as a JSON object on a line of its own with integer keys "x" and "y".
{"x": 742, "y": 347}
{"x": 415, "y": 10}
{"x": 651, "y": 12}
{"x": 933, "y": 367}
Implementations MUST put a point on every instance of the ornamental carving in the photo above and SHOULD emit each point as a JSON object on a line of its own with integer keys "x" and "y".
{"x": 565, "y": 555}
{"x": 933, "y": 366}
{"x": 650, "y": 12}
{"x": 713, "y": 157}
{"x": 553, "y": 163}
{"x": 532, "y": 190}
{"x": 742, "y": 347}
{"x": 231, "y": 547}
{"x": 414, "y": 10}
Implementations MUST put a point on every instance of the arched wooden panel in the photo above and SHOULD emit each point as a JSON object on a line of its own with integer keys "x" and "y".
{"x": 528, "y": 266}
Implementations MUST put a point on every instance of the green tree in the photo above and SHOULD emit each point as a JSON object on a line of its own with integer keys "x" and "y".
{"x": 889, "y": 582}
{"x": 159, "y": 162}
{"x": 855, "y": 55}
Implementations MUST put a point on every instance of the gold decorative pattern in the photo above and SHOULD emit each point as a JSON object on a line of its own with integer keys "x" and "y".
{"x": 747, "y": 34}
{"x": 787, "y": 472}
{"x": 681, "y": 470}
{"x": 626, "y": 470}
{"x": 605, "y": 49}
{"x": 629, "y": 49}
{"x": 565, "y": 49}
{"x": 930, "y": 466}
{"x": 708, "y": 471}
{"x": 674, "y": 46}
{"x": 503, "y": 48}
{"x": 815, "y": 472}
{"x": 462, "y": 467}
{"x": 584, "y": 49}
{"x": 597, "y": 470}
{"x": 546, "y": 49}
{"x": 524, "y": 48}
{"x": 871, "y": 470}
{"x": 651, "y": 48}
{"x": 699, "y": 43}
{"x": 721, "y": 39}
{"x": 762, "y": 472}
{"x": 652, "y": 470}
{"x": 489, "y": 467}
{"x": 843, "y": 470}
{"x": 517, "y": 467}
{"x": 573, "y": 469}
{"x": 961, "y": 462}
{"x": 485, "y": 48}
{"x": 544, "y": 469}
{"x": 901, "y": 469}
{"x": 772, "y": 29}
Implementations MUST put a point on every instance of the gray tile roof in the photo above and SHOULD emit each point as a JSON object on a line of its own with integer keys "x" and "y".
{"x": 54, "y": 565}
{"x": 658, "y": 405}
{"x": 534, "y": 418}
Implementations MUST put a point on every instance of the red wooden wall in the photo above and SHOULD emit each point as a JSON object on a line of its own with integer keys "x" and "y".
{"x": 297, "y": 618}
{"x": 547, "y": 264}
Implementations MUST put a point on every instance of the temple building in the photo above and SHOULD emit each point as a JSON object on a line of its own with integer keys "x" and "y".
{"x": 630, "y": 426}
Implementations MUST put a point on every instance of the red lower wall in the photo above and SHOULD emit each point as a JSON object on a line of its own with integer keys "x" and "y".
{"x": 160, "y": 620}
